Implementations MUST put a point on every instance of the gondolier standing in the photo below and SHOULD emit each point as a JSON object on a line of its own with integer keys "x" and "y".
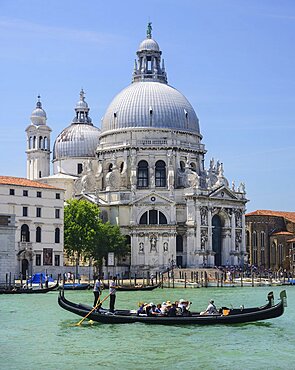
{"x": 112, "y": 294}
{"x": 97, "y": 290}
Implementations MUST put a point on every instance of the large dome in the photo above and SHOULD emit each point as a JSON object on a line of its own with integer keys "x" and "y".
{"x": 80, "y": 139}
{"x": 150, "y": 104}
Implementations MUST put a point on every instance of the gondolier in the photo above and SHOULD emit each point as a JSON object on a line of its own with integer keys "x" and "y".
{"x": 112, "y": 291}
{"x": 97, "y": 290}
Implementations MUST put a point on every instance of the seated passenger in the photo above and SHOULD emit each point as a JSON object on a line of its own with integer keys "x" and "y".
{"x": 211, "y": 309}
{"x": 172, "y": 310}
{"x": 141, "y": 309}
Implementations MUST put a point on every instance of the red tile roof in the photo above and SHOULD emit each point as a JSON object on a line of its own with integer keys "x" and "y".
{"x": 19, "y": 181}
{"x": 282, "y": 233}
{"x": 290, "y": 216}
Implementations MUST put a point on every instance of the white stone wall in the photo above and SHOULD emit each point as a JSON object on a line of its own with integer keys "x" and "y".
{"x": 14, "y": 204}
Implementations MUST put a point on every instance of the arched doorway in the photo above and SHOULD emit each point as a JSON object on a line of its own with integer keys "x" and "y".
{"x": 25, "y": 268}
{"x": 216, "y": 239}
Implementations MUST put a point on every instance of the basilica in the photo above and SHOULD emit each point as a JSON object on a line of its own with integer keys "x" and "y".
{"x": 145, "y": 169}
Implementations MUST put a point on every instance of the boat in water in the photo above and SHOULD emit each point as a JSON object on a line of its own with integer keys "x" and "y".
{"x": 224, "y": 317}
{"x": 28, "y": 290}
{"x": 75, "y": 286}
{"x": 130, "y": 288}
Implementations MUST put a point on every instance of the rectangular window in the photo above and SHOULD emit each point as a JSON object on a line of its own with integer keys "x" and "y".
{"x": 39, "y": 194}
{"x": 153, "y": 217}
{"x": 11, "y": 191}
{"x": 57, "y": 213}
{"x": 57, "y": 196}
{"x": 79, "y": 168}
{"x": 57, "y": 260}
{"x": 38, "y": 212}
{"x": 25, "y": 193}
{"x": 47, "y": 256}
{"x": 38, "y": 259}
{"x": 25, "y": 211}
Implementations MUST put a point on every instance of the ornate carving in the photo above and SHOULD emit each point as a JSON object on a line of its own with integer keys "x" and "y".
{"x": 238, "y": 239}
{"x": 204, "y": 238}
{"x": 204, "y": 216}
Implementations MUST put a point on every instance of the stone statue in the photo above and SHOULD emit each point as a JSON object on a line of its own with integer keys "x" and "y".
{"x": 141, "y": 247}
{"x": 149, "y": 30}
{"x": 153, "y": 241}
{"x": 165, "y": 247}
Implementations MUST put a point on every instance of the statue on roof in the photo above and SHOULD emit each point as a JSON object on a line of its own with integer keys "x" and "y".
{"x": 149, "y": 30}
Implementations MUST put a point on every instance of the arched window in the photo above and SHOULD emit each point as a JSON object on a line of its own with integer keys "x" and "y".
{"x": 40, "y": 142}
{"x": 153, "y": 217}
{"x": 30, "y": 142}
{"x": 182, "y": 166}
{"x": 160, "y": 174}
{"x": 57, "y": 235}
{"x": 38, "y": 234}
{"x": 34, "y": 142}
{"x": 142, "y": 174}
{"x": 110, "y": 167}
{"x": 45, "y": 143}
{"x": 254, "y": 241}
{"x": 25, "y": 233}
{"x": 193, "y": 166}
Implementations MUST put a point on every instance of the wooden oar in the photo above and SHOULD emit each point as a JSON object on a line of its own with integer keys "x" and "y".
{"x": 94, "y": 308}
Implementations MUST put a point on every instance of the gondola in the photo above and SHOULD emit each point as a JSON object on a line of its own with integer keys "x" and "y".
{"x": 75, "y": 286}
{"x": 227, "y": 316}
{"x": 28, "y": 290}
{"x": 131, "y": 288}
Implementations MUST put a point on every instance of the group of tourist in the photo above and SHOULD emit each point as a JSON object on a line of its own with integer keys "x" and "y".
{"x": 177, "y": 308}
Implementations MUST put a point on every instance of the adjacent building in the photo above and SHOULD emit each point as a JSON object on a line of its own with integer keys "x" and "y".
{"x": 31, "y": 227}
{"x": 270, "y": 239}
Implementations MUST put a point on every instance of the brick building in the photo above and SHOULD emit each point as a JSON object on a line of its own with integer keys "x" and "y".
{"x": 270, "y": 239}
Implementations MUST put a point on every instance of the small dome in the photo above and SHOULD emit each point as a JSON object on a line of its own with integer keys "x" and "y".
{"x": 77, "y": 140}
{"x": 38, "y": 116}
{"x": 149, "y": 44}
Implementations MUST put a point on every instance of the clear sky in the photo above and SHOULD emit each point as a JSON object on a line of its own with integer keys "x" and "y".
{"x": 233, "y": 59}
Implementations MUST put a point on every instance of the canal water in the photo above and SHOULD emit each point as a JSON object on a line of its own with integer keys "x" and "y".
{"x": 37, "y": 334}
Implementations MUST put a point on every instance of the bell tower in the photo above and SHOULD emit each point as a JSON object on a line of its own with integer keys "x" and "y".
{"x": 38, "y": 144}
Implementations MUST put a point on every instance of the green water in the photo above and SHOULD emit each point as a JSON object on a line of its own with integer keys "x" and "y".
{"x": 37, "y": 334}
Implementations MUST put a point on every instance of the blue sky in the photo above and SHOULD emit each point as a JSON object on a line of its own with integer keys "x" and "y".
{"x": 232, "y": 59}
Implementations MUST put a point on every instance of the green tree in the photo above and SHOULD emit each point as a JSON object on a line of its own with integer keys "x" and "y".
{"x": 109, "y": 239}
{"x": 81, "y": 227}
{"x": 85, "y": 233}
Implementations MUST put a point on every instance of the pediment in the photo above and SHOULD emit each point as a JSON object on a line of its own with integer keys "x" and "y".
{"x": 223, "y": 193}
{"x": 153, "y": 198}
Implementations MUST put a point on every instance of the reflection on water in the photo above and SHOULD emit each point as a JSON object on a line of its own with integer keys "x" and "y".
{"x": 36, "y": 332}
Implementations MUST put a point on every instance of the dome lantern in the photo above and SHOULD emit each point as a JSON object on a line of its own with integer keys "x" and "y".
{"x": 38, "y": 116}
{"x": 148, "y": 66}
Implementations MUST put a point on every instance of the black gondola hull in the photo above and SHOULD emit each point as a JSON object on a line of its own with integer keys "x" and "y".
{"x": 126, "y": 317}
{"x": 29, "y": 290}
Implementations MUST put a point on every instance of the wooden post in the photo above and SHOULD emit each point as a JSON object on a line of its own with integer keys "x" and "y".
{"x": 134, "y": 279}
{"x": 185, "y": 279}
{"x": 241, "y": 279}
{"x": 168, "y": 274}
{"x": 206, "y": 279}
{"x": 252, "y": 279}
{"x": 162, "y": 281}
{"x": 173, "y": 279}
